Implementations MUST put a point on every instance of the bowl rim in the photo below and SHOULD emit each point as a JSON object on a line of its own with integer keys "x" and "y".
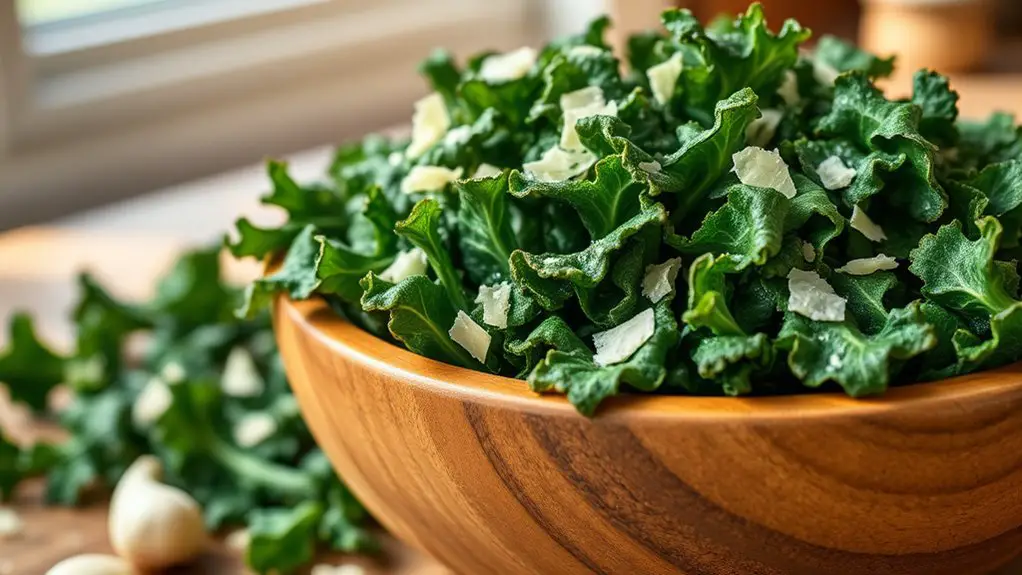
{"x": 317, "y": 319}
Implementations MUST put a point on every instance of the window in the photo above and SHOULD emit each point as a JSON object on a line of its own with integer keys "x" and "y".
{"x": 108, "y": 98}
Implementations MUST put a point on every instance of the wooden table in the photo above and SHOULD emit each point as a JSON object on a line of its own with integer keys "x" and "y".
{"x": 127, "y": 245}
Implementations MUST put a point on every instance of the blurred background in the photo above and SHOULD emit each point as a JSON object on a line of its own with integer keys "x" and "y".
{"x": 102, "y": 100}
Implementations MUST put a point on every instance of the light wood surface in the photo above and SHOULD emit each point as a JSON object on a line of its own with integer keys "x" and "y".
{"x": 488, "y": 478}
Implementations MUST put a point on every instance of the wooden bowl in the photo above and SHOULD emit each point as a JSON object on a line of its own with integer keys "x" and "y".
{"x": 488, "y": 478}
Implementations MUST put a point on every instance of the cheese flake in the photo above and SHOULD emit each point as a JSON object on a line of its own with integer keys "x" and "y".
{"x": 763, "y": 169}
{"x": 10, "y": 524}
{"x": 663, "y": 78}
{"x": 659, "y": 279}
{"x": 152, "y": 402}
{"x": 428, "y": 178}
{"x": 508, "y": 66}
{"x": 808, "y": 252}
{"x": 496, "y": 302}
{"x": 834, "y": 174}
{"x": 486, "y": 171}
{"x": 866, "y": 266}
{"x": 471, "y": 336}
{"x": 429, "y": 124}
{"x": 408, "y": 263}
{"x": 240, "y": 377}
{"x": 865, "y": 226}
{"x": 653, "y": 167}
{"x": 619, "y": 343}
{"x": 811, "y": 296}
{"x": 585, "y": 51}
{"x": 173, "y": 372}
{"x": 761, "y": 130}
{"x": 825, "y": 73}
{"x": 254, "y": 429}
{"x": 788, "y": 90}
{"x": 557, "y": 165}
{"x": 582, "y": 104}
{"x": 350, "y": 569}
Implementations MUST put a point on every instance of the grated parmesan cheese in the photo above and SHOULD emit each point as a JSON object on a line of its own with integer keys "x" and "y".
{"x": 825, "y": 73}
{"x": 865, "y": 226}
{"x": 486, "y": 171}
{"x": 508, "y": 66}
{"x": 619, "y": 343}
{"x": 240, "y": 377}
{"x": 254, "y": 429}
{"x": 557, "y": 165}
{"x": 653, "y": 167}
{"x": 429, "y": 123}
{"x": 408, "y": 263}
{"x": 808, "y": 252}
{"x": 659, "y": 279}
{"x": 763, "y": 169}
{"x": 585, "y": 51}
{"x": 834, "y": 174}
{"x": 663, "y": 78}
{"x": 811, "y": 296}
{"x": 428, "y": 178}
{"x": 866, "y": 266}
{"x": 762, "y": 129}
{"x": 788, "y": 91}
{"x": 10, "y": 524}
{"x": 152, "y": 402}
{"x": 349, "y": 569}
{"x": 469, "y": 335}
{"x": 582, "y": 104}
{"x": 496, "y": 302}
{"x": 173, "y": 372}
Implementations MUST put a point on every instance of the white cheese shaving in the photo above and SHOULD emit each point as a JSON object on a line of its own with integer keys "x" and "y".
{"x": 496, "y": 302}
{"x": 865, "y": 226}
{"x": 763, "y": 169}
{"x": 659, "y": 279}
{"x": 788, "y": 91}
{"x": 429, "y": 123}
{"x": 761, "y": 130}
{"x": 428, "y": 178}
{"x": 557, "y": 165}
{"x": 240, "y": 377}
{"x": 811, "y": 296}
{"x": 152, "y": 402}
{"x": 458, "y": 136}
{"x": 10, "y": 524}
{"x": 619, "y": 343}
{"x": 395, "y": 158}
{"x": 834, "y": 362}
{"x": 808, "y": 252}
{"x": 866, "y": 266}
{"x": 408, "y": 263}
{"x": 653, "y": 167}
{"x": 663, "y": 78}
{"x": 834, "y": 174}
{"x": 508, "y": 66}
{"x": 254, "y": 429}
{"x": 325, "y": 569}
{"x": 825, "y": 73}
{"x": 238, "y": 540}
{"x": 486, "y": 171}
{"x": 582, "y": 104}
{"x": 585, "y": 51}
{"x": 469, "y": 335}
{"x": 173, "y": 372}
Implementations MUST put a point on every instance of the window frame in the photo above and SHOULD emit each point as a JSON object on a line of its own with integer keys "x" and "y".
{"x": 101, "y": 121}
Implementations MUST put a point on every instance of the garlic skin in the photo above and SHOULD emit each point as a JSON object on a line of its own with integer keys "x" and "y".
{"x": 92, "y": 564}
{"x": 151, "y": 524}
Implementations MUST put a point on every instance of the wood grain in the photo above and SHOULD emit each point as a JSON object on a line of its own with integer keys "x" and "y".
{"x": 488, "y": 478}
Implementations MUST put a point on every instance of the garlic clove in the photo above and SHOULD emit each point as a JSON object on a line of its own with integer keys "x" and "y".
{"x": 92, "y": 564}
{"x": 151, "y": 524}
